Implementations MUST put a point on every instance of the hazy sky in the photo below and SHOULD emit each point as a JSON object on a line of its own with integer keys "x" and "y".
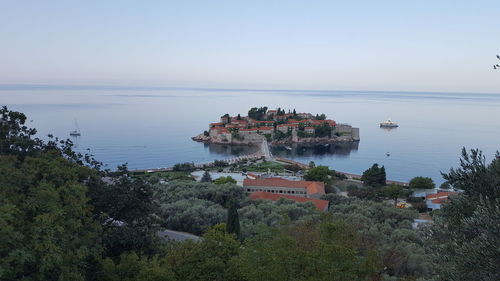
{"x": 422, "y": 45}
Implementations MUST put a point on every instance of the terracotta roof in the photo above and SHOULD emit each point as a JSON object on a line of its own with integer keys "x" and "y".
{"x": 322, "y": 205}
{"x": 217, "y": 124}
{"x": 312, "y": 187}
{"x": 253, "y": 175}
{"x": 272, "y": 111}
{"x": 440, "y": 200}
{"x": 287, "y": 125}
{"x": 222, "y": 130}
{"x": 309, "y": 128}
{"x": 443, "y": 194}
{"x": 258, "y": 129}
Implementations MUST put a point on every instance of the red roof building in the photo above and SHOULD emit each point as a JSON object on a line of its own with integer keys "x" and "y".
{"x": 321, "y": 205}
{"x": 435, "y": 200}
{"x": 309, "y": 189}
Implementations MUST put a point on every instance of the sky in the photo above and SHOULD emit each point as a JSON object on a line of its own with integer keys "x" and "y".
{"x": 438, "y": 45}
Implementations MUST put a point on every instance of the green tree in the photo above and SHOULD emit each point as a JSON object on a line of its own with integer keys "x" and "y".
{"x": 466, "y": 232}
{"x": 389, "y": 230}
{"x": 207, "y": 259}
{"x": 421, "y": 183}
{"x": 46, "y": 227}
{"x": 319, "y": 173}
{"x": 224, "y": 180}
{"x": 393, "y": 191}
{"x": 306, "y": 251}
{"x": 257, "y": 113}
{"x": 131, "y": 267}
{"x": 233, "y": 220}
{"x": 445, "y": 185}
{"x": 374, "y": 176}
{"x": 206, "y": 177}
{"x": 312, "y": 164}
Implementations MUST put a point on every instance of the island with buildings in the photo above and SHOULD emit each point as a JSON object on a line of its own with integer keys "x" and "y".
{"x": 277, "y": 127}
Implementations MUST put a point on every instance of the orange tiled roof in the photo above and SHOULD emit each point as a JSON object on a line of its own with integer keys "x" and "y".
{"x": 320, "y": 204}
{"x": 258, "y": 129}
{"x": 440, "y": 200}
{"x": 312, "y": 187}
{"x": 253, "y": 175}
{"x": 442, "y": 194}
{"x": 222, "y": 130}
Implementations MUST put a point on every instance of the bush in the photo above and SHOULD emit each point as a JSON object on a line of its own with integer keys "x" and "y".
{"x": 184, "y": 167}
{"x": 421, "y": 183}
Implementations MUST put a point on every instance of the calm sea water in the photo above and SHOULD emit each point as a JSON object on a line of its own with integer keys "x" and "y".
{"x": 152, "y": 127}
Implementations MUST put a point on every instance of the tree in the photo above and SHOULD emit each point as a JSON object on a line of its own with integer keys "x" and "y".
{"x": 393, "y": 191}
{"x": 206, "y": 177}
{"x": 257, "y": 113}
{"x": 207, "y": 259}
{"x": 319, "y": 173}
{"x": 374, "y": 176}
{"x": 400, "y": 248}
{"x": 127, "y": 212}
{"x": 497, "y": 66}
{"x": 312, "y": 164}
{"x": 465, "y": 237}
{"x": 320, "y": 117}
{"x": 445, "y": 185}
{"x": 421, "y": 183}
{"x": 224, "y": 180}
{"x": 328, "y": 250}
{"x": 233, "y": 220}
{"x": 46, "y": 225}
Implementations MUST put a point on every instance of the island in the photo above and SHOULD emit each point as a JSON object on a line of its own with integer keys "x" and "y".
{"x": 277, "y": 127}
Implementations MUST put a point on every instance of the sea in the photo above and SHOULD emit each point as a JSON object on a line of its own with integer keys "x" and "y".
{"x": 151, "y": 127}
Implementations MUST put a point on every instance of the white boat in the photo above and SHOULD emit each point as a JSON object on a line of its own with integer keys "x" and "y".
{"x": 388, "y": 124}
{"x": 76, "y": 132}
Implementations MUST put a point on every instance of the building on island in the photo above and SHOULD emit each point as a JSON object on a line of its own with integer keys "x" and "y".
{"x": 245, "y": 130}
{"x": 321, "y": 205}
{"x": 308, "y": 189}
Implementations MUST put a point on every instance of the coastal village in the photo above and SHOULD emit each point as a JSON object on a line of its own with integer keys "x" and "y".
{"x": 277, "y": 127}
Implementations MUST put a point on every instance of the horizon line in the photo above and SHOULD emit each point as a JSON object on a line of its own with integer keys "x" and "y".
{"x": 18, "y": 87}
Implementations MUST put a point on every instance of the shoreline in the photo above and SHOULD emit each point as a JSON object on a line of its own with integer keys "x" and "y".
{"x": 349, "y": 176}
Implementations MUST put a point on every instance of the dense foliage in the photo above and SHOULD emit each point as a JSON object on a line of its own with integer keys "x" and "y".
{"x": 257, "y": 113}
{"x": 374, "y": 176}
{"x": 466, "y": 237}
{"x": 194, "y": 207}
{"x": 421, "y": 183}
{"x": 389, "y": 231}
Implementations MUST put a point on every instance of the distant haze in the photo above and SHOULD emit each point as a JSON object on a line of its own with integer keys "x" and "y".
{"x": 444, "y": 45}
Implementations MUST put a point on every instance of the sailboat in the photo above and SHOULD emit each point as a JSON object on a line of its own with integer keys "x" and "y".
{"x": 76, "y": 132}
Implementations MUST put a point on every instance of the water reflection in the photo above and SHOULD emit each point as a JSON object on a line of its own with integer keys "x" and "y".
{"x": 389, "y": 129}
{"x": 225, "y": 149}
{"x": 307, "y": 150}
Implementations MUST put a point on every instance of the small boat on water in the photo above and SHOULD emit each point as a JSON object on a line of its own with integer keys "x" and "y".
{"x": 75, "y": 133}
{"x": 388, "y": 124}
{"x": 288, "y": 148}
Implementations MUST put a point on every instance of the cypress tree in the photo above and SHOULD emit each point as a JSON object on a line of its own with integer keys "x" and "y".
{"x": 233, "y": 220}
{"x": 383, "y": 177}
{"x": 206, "y": 177}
